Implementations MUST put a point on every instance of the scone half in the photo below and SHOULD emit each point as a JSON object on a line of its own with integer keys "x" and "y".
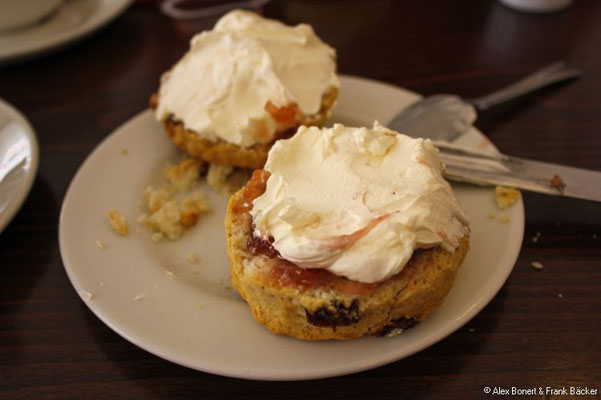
{"x": 315, "y": 304}
{"x": 222, "y": 152}
{"x": 245, "y": 84}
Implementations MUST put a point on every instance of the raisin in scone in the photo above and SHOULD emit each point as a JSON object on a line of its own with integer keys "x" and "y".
{"x": 243, "y": 85}
{"x": 346, "y": 232}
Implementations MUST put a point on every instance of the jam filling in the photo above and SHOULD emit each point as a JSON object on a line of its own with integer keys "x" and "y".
{"x": 257, "y": 245}
{"x": 335, "y": 315}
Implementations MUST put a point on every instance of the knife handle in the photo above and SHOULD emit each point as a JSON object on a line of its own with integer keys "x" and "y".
{"x": 552, "y": 73}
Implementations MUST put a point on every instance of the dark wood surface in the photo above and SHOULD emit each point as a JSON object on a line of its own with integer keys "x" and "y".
{"x": 52, "y": 346}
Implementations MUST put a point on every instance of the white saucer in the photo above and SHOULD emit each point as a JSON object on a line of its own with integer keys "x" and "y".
{"x": 189, "y": 317}
{"x": 73, "y": 20}
{"x": 18, "y": 161}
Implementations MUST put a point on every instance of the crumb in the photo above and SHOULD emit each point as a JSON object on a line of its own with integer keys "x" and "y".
{"x": 560, "y": 295}
{"x": 139, "y": 297}
{"x": 472, "y": 330}
{"x": 192, "y": 257}
{"x": 536, "y": 265}
{"x": 537, "y": 233}
{"x": 226, "y": 179}
{"x": 557, "y": 183}
{"x": 100, "y": 244}
{"x": 168, "y": 216}
{"x": 492, "y": 216}
{"x": 505, "y": 218}
{"x": 176, "y": 207}
{"x": 118, "y": 223}
{"x": 125, "y": 152}
{"x": 89, "y": 295}
{"x": 506, "y": 197}
{"x": 183, "y": 176}
{"x": 594, "y": 236}
{"x": 535, "y": 239}
{"x": 101, "y": 284}
{"x": 200, "y": 306}
{"x": 394, "y": 332}
{"x": 217, "y": 178}
{"x": 245, "y": 205}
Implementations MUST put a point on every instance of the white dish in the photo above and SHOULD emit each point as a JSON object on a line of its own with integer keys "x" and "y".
{"x": 188, "y": 317}
{"x": 73, "y": 20}
{"x": 18, "y": 161}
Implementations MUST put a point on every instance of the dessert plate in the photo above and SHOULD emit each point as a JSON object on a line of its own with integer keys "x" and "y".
{"x": 18, "y": 161}
{"x": 73, "y": 20}
{"x": 185, "y": 312}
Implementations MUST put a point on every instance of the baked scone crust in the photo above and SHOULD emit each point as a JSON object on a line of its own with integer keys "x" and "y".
{"x": 222, "y": 152}
{"x": 316, "y": 304}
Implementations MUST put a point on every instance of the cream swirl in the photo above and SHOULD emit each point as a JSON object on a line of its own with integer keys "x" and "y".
{"x": 224, "y": 83}
{"x": 356, "y": 201}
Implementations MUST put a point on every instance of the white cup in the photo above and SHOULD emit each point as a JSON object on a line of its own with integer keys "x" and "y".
{"x": 20, "y": 13}
{"x": 537, "y": 6}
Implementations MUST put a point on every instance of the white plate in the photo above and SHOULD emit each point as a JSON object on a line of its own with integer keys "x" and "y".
{"x": 18, "y": 161}
{"x": 73, "y": 20}
{"x": 189, "y": 317}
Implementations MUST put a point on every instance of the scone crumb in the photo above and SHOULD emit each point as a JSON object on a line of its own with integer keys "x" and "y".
{"x": 560, "y": 295}
{"x": 394, "y": 332}
{"x": 472, "y": 330}
{"x": 101, "y": 245}
{"x": 192, "y": 257}
{"x": 534, "y": 239}
{"x": 125, "y": 152}
{"x": 200, "y": 306}
{"x": 506, "y": 197}
{"x": 89, "y": 295}
{"x": 536, "y": 265}
{"x": 183, "y": 176}
{"x": 176, "y": 207}
{"x": 118, "y": 222}
{"x": 504, "y": 218}
{"x": 226, "y": 179}
{"x": 492, "y": 216}
{"x": 557, "y": 183}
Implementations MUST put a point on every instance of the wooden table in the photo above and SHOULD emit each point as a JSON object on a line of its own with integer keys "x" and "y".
{"x": 542, "y": 329}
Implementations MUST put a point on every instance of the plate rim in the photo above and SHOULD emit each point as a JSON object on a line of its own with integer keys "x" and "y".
{"x": 444, "y": 331}
{"x": 104, "y": 15}
{"x": 17, "y": 202}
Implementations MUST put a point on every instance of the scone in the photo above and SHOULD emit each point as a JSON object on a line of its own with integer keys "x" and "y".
{"x": 346, "y": 232}
{"x": 243, "y": 85}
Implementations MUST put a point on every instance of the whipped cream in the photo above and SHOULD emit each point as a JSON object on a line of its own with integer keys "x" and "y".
{"x": 221, "y": 87}
{"x": 356, "y": 201}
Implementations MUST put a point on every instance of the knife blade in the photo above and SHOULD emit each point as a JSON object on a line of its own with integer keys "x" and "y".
{"x": 473, "y": 166}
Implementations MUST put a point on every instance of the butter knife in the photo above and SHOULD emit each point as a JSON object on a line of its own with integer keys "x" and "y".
{"x": 473, "y": 166}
